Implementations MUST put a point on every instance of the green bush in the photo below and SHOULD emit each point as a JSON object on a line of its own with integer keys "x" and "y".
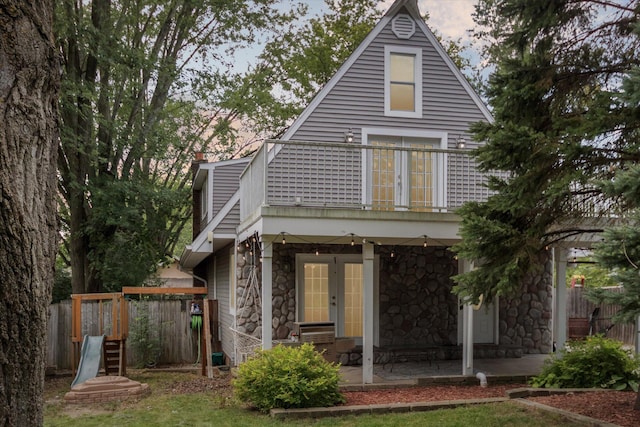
{"x": 596, "y": 362}
{"x": 288, "y": 377}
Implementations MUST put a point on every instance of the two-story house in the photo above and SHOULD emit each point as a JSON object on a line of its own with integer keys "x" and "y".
{"x": 349, "y": 217}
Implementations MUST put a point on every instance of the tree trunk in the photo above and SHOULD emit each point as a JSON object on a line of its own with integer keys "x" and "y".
{"x": 29, "y": 86}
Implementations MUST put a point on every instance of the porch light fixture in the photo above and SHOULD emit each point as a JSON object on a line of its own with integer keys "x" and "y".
{"x": 284, "y": 241}
{"x": 424, "y": 245}
{"x": 460, "y": 142}
{"x": 352, "y": 242}
{"x": 317, "y": 252}
{"x": 348, "y": 136}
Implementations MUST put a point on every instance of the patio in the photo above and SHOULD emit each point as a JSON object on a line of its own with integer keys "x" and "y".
{"x": 446, "y": 371}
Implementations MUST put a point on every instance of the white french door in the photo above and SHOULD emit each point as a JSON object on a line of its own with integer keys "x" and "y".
{"x": 329, "y": 288}
{"x": 401, "y": 175}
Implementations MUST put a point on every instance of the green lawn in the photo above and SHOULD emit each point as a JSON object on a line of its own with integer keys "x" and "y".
{"x": 167, "y": 407}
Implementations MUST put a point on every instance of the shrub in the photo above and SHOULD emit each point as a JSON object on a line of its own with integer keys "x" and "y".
{"x": 288, "y": 377}
{"x": 144, "y": 337}
{"x": 595, "y": 362}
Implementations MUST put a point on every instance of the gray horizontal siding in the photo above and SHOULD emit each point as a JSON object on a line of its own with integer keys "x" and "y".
{"x": 222, "y": 290}
{"x": 226, "y": 181}
{"x": 230, "y": 222}
{"x": 357, "y": 100}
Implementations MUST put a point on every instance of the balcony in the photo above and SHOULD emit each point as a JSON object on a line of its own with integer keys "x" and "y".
{"x": 359, "y": 177}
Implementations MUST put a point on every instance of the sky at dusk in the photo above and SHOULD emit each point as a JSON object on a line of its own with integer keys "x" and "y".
{"x": 449, "y": 18}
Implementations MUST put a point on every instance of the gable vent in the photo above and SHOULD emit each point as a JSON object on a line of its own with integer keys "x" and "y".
{"x": 403, "y": 26}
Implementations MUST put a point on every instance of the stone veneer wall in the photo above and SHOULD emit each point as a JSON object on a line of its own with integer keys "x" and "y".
{"x": 248, "y": 316}
{"x": 416, "y": 303}
{"x": 526, "y": 321}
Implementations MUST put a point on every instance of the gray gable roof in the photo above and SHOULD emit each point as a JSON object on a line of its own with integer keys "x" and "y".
{"x": 371, "y": 44}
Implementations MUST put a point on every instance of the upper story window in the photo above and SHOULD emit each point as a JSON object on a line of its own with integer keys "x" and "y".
{"x": 403, "y": 82}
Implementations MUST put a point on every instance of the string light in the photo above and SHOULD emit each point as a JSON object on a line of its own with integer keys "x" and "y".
{"x": 352, "y": 242}
{"x": 393, "y": 253}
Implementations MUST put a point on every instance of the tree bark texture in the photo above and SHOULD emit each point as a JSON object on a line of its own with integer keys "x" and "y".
{"x": 29, "y": 86}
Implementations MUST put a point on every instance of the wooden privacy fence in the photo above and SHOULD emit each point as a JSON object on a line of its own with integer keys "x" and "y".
{"x": 579, "y": 308}
{"x": 169, "y": 322}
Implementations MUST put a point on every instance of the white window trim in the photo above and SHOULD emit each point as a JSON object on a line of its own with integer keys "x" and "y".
{"x": 441, "y": 188}
{"x": 417, "y": 52}
{"x": 232, "y": 280}
{"x": 204, "y": 200}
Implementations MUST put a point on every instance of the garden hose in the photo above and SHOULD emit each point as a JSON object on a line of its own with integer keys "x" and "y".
{"x": 196, "y": 323}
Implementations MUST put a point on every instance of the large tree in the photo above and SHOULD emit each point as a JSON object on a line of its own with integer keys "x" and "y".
{"x": 29, "y": 85}
{"x": 135, "y": 106}
{"x": 619, "y": 251}
{"x": 562, "y": 127}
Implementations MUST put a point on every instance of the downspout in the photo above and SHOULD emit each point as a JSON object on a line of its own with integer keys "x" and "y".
{"x": 206, "y": 285}
{"x": 483, "y": 379}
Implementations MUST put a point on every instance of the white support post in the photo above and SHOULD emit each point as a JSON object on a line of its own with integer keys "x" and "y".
{"x": 560, "y": 307}
{"x": 267, "y": 286}
{"x": 367, "y": 304}
{"x": 467, "y": 327}
{"x": 467, "y": 343}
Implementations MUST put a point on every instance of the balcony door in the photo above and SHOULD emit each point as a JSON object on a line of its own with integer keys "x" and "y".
{"x": 329, "y": 288}
{"x": 401, "y": 175}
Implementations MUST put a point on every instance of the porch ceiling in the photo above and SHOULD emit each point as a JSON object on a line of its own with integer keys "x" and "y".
{"x": 338, "y": 225}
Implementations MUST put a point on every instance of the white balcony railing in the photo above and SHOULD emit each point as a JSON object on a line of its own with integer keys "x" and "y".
{"x": 390, "y": 178}
{"x": 354, "y": 176}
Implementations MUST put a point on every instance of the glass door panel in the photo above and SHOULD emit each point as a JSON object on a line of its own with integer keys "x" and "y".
{"x": 383, "y": 178}
{"x": 421, "y": 180}
{"x": 316, "y": 292}
{"x": 352, "y": 310}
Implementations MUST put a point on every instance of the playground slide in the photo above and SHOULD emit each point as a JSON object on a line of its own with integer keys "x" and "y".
{"x": 90, "y": 356}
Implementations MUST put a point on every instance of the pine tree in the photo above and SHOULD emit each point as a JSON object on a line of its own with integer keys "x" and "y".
{"x": 619, "y": 250}
{"x": 562, "y": 129}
